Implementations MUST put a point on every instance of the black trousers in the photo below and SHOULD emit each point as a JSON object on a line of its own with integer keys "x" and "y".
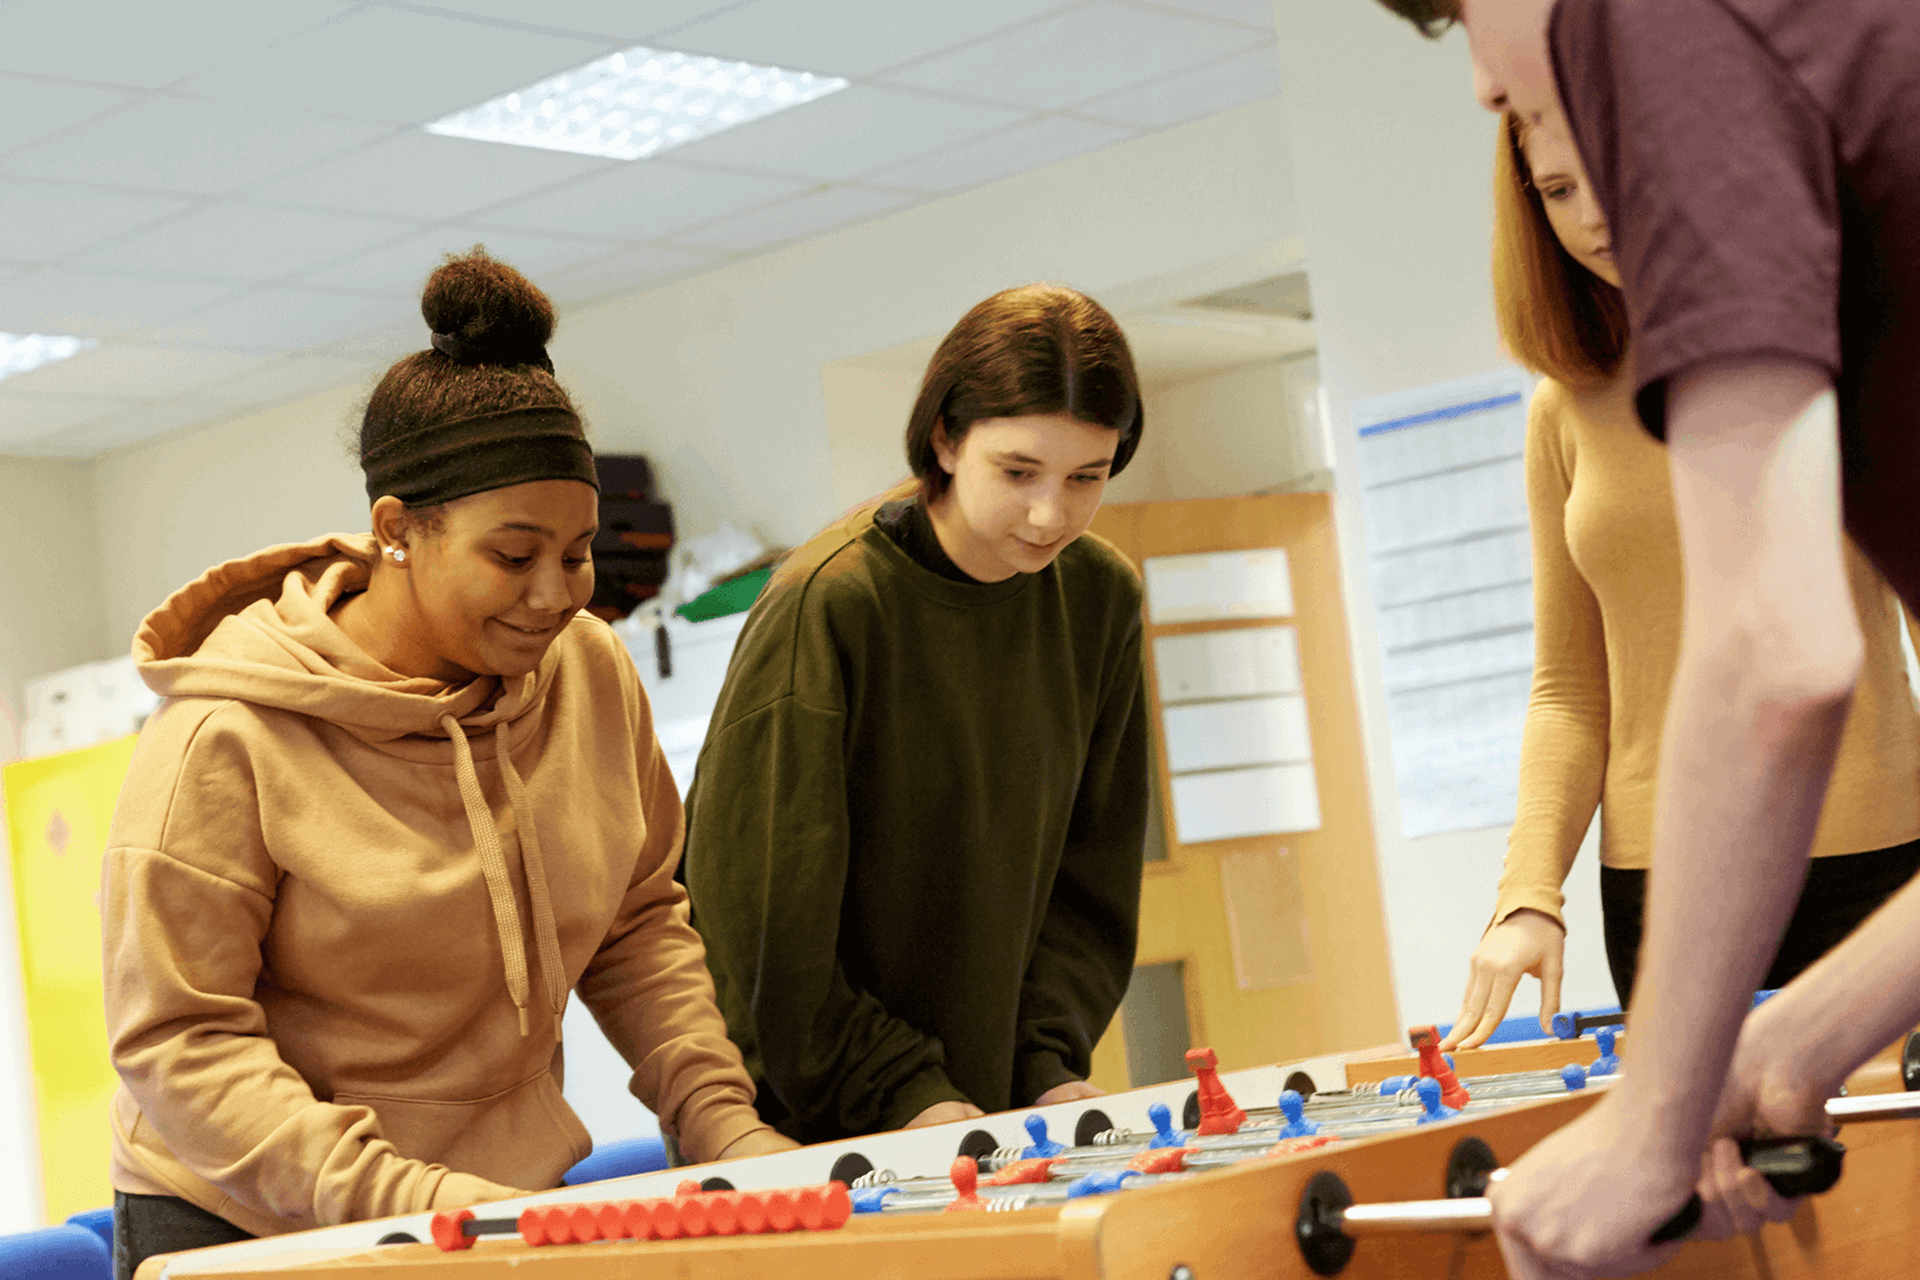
{"x": 146, "y": 1225}
{"x": 1840, "y": 892}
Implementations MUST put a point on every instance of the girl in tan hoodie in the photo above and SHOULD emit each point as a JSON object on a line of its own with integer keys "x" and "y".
{"x": 402, "y": 797}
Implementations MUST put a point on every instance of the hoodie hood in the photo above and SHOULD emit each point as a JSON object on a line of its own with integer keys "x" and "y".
{"x": 258, "y": 629}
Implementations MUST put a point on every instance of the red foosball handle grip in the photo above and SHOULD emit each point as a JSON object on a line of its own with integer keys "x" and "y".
{"x": 1794, "y": 1167}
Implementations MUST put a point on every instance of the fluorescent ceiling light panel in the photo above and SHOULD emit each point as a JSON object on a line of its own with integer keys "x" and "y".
{"x": 636, "y": 103}
{"x": 20, "y": 352}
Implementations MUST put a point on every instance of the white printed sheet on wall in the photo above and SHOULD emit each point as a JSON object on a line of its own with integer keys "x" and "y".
{"x": 1444, "y": 492}
{"x": 1234, "y": 720}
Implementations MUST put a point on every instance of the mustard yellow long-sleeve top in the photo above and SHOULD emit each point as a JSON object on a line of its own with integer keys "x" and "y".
{"x": 1606, "y": 605}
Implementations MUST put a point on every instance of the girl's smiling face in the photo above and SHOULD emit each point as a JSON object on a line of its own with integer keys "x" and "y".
{"x": 495, "y": 579}
{"x": 1022, "y": 489}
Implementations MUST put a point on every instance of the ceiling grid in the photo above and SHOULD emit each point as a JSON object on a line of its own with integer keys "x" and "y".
{"x": 237, "y": 202}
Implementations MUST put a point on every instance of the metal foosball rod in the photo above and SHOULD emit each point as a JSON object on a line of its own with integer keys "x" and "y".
{"x": 1330, "y": 1223}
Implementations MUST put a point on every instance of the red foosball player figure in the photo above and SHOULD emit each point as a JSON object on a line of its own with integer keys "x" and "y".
{"x": 1426, "y": 1041}
{"x": 1218, "y": 1114}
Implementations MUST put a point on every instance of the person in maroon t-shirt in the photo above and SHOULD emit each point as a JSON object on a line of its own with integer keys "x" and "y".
{"x": 1759, "y": 161}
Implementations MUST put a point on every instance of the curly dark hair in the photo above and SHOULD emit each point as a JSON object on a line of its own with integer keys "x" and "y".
{"x": 1431, "y": 16}
{"x": 487, "y": 306}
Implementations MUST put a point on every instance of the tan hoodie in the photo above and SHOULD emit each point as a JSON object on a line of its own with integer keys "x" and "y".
{"x": 341, "y": 925}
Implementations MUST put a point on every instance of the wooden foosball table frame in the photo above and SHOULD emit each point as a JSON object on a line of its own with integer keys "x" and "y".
{"x": 1225, "y": 1225}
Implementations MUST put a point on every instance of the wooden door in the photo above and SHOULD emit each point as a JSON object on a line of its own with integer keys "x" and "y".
{"x": 1342, "y": 998}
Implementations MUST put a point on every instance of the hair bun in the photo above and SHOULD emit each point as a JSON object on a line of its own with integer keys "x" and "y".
{"x": 492, "y": 312}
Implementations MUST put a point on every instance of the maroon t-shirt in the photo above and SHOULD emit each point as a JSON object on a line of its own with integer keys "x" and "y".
{"x": 1759, "y": 165}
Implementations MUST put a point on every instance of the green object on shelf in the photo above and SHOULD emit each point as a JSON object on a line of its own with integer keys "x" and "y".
{"x": 735, "y": 595}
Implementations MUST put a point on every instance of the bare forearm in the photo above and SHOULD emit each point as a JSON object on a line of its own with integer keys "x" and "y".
{"x": 1770, "y": 651}
{"x": 1741, "y": 781}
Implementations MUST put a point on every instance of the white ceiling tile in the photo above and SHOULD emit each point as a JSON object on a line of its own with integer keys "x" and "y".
{"x": 24, "y": 417}
{"x": 286, "y": 378}
{"x": 1252, "y": 13}
{"x": 401, "y": 269}
{"x": 807, "y": 215}
{"x": 625, "y": 272}
{"x": 1015, "y": 150}
{"x": 117, "y": 369}
{"x": 1089, "y": 51}
{"x": 384, "y": 64}
{"x": 417, "y": 174}
{"x": 617, "y": 20}
{"x": 232, "y": 241}
{"x": 641, "y": 200}
{"x": 1203, "y": 91}
{"x": 851, "y": 132}
{"x": 32, "y": 109}
{"x": 122, "y": 427}
{"x": 849, "y": 37}
{"x": 379, "y": 347}
{"x": 188, "y": 145}
{"x": 45, "y": 220}
{"x": 275, "y": 319}
{"x": 97, "y": 306}
{"x": 144, "y": 44}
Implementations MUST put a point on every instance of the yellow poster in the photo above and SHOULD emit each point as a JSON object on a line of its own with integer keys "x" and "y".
{"x": 58, "y": 809}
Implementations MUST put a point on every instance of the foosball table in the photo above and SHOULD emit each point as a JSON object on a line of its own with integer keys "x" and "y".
{"x": 1372, "y": 1166}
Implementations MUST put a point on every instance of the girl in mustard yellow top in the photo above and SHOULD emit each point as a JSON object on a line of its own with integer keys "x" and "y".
{"x": 1607, "y": 609}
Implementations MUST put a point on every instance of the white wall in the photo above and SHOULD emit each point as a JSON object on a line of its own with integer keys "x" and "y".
{"x": 719, "y": 378}
{"x": 169, "y": 510}
{"x": 1392, "y": 164}
{"x": 50, "y": 583}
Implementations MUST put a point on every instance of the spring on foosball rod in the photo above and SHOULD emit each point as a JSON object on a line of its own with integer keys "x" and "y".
{"x": 1112, "y": 1137}
{"x": 874, "y": 1178}
{"x": 1009, "y": 1204}
{"x": 1002, "y": 1155}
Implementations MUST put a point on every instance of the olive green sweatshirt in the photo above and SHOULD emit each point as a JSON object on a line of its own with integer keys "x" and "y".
{"x": 1606, "y": 603}
{"x": 915, "y": 833}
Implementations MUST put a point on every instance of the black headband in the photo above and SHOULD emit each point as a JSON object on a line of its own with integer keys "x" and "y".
{"x": 479, "y": 353}
{"x": 436, "y": 464}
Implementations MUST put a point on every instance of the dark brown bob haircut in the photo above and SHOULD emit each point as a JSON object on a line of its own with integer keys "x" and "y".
{"x": 1556, "y": 317}
{"x": 1037, "y": 349}
{"x": 1432, "y": 17}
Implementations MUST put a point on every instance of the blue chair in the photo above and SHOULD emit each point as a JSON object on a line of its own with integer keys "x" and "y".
{"x": 98, "y": 1221}
{"x": 619, "y": 1160}
{"x": 56, "y": 1253}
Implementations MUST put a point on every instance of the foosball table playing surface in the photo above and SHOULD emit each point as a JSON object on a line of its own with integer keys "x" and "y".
{"x": 1370, "y": 1166}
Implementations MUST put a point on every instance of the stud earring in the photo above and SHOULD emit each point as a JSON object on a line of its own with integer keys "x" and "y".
{"x": 399, "y": 554}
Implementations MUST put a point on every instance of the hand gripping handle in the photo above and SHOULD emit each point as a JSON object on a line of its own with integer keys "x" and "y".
{"x": 1794, "y": 1167}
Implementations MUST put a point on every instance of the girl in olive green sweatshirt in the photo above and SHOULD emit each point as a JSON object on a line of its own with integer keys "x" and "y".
{"x": 915, "y": 832}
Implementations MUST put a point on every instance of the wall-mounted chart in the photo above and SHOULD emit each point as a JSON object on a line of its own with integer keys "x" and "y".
{"x": 1448, "y": 548}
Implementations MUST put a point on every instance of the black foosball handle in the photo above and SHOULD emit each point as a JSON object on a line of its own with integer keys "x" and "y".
{"x": 1794, "y": 1167}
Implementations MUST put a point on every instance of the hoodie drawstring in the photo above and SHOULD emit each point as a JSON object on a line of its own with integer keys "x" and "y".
{"x": 544, "y": 931}
{"x": 493, "y": 867}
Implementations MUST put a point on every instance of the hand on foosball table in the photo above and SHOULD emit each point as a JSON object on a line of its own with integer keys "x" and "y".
{"x": 1069, "y": 1091}
{"x": 944, "y": 1113}
{"x": 1526, "y": 943}
{"x": 760, "y": 1142}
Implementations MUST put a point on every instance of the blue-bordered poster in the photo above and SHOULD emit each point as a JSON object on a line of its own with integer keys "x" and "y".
{"x": 1445, "y": 497}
